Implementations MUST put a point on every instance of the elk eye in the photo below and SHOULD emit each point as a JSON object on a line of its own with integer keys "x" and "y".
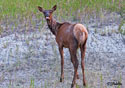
{"x": 51, "y": 11}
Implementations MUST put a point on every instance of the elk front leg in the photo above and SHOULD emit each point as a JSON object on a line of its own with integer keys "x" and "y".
{"x": 62, "y": 64}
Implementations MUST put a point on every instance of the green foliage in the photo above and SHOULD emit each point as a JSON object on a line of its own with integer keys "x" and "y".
{"x": 32, "y": 83}
{"x": 45, "y": 84}
{"x": 101, "y": 79}
{"x": 119, "y": 86}
{"x": 24, "y": 10}
{"x": 1, "y": 30}
{"x": 121, "y": 30}
{"x": 10, "y": 84}
{"x": 65, "y": 7}
{"x": 77, "y": 86}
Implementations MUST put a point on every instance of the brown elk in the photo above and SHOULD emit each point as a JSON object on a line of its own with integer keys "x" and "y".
{"x": 72, "y": 36}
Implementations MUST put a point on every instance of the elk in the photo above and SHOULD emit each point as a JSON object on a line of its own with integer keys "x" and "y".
{"x": 71, "y": 36}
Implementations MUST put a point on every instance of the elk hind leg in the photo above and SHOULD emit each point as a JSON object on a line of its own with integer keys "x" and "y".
{"x": 83, "y": 49}
{"x": 75, "y": 64}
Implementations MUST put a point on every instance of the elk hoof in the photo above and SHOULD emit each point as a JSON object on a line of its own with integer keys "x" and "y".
{"x": 72, "y": 86}
{"x": 84, "y": 84}
{"x": 77, "y": 76}
{"x": 61, "y": 79}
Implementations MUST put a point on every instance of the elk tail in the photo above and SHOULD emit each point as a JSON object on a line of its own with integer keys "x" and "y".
{"x": 80, "y": 33}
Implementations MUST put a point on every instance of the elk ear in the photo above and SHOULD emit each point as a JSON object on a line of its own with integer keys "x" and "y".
{"x": 54, "y": 7}
{"x": 40, "y": 9}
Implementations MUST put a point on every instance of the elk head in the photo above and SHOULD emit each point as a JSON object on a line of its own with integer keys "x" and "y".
{"x": 47, "y": 13}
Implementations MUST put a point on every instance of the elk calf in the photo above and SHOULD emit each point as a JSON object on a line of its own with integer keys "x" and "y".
{"x": 72, "y": 36}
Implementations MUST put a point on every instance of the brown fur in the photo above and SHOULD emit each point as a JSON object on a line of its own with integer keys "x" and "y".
{"x": 70, "y": 36}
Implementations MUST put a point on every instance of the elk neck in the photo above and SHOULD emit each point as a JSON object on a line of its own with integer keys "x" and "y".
{"x": 53, "y": 26}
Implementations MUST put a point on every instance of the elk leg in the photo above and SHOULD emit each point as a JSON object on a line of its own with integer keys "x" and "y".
{"x": 77, "y": 71}
{"x": 77, "y": 75}
{"x": 83, "y": 49}
{"x": 75, "y": 64}
{"x": 62, "y": 64}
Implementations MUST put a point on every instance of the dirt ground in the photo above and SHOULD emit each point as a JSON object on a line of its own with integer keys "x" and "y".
{"x": 31, "y": 59}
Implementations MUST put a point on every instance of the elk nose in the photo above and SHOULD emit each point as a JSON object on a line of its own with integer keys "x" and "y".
{"x": 47, "y": 18}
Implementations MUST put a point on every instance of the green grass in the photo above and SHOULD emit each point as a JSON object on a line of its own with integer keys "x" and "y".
{"x": 32, "y": 83}
{"x": 121, "y": 30}
{"x": 65, "y": 8}
{"x": 24, "y": 10}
